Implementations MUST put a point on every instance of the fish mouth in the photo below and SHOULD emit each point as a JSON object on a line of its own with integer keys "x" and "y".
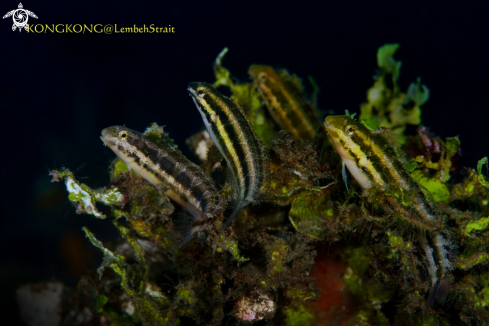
{"x": 195, "y": 98}
{"x": 191, "y": 91}
{"x": 107, "y": 142}
{"x": 104, "y": 132}
{"x": 327, "y": 124}
{"x": 107, "y": 138}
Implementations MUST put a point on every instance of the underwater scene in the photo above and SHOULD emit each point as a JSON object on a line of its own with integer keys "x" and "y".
{"x": 171, "y": 171}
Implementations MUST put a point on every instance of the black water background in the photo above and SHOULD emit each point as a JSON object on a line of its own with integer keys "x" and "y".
{"x": 58, "y": 91}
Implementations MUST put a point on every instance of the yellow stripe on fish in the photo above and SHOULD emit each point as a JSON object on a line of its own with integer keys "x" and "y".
{"x": 158, "y": 161}
{"x": 374, "y": 159}
{"x": 285, "y": 102}
{"x": 235, "y": 138}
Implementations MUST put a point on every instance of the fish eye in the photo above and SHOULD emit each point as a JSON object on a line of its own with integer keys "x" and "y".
{"x": 201, "y": 92}
{"x": 262, "y": 76}
{"x": 123, "y": 135}
{"x": 350, "y": 130}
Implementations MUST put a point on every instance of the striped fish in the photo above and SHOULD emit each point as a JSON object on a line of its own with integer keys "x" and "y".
{"x": 285, "y": 102}
{"x": 374, "y": 160}
{"x": 154, "y": 157}
{"x": 236, "y": 140}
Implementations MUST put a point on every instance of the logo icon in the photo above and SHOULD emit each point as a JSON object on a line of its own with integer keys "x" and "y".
{"x": 20, "y": 17}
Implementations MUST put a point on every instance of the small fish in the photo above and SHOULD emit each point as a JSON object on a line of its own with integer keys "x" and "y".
{"x": 236, "y": 140}
{"x": 154, "y": 157}
{"x": 285, "y": 102}
{"x": 374, "y": 160}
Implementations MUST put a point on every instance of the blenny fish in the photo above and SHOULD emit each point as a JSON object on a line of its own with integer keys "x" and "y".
{"x": 374, "y": 159}
{"x": 235, "y": 138}
{"x": 155, "y": 157}
{"x": 285, "y": 102}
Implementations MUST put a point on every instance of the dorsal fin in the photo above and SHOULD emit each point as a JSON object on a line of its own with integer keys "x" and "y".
{"x": 391, "y": 140}
{"x": 292, "y": 79}
{"x": 157, "y": 134}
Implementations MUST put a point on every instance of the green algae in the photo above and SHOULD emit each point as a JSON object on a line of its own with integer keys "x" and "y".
{"x": 298, "y": 316}
{"x": 277, "y": 254}
{"x": 370, "y": 293}
{"x": 99, "y": 303}
{"x": 385, "y": 61}
{"x": 185, "y": 294}
{"x": 158, "y": 135}
{"x": 418, "y": 94}
{"x": 229, "y": 244}
{"x": 118, "y": 167}
{"x": 434, "y": 175}
{"x": 438, "y": 189}
{"x": 308, "y": 211}
{"x": 299, "y": 294}
{"x": 386, "y": 105}
{"x": 483, "y": 297}
{"x": 466, "y": 263}
{"x": 397, "y": 242}
{"x": 369, "y": 318}
{"x": 118, "y": 320}
{"x": 480, "y": 176}
{"x": 347, "y": 113}
{"x": 134, "y": 282}
{"x": 270, "y": 247}
{"x": 478, "y": 225}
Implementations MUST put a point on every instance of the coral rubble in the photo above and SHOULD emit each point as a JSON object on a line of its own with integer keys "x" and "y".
{"x": 308, "y": 251}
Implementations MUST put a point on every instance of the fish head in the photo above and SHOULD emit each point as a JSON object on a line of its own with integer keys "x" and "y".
{"x": 343, "y": 130}
{"x": 352, "y": 141}
{"x": 124, "y": 142}
{"x": 208, "y": 101}
{"x": 264, "y": 76}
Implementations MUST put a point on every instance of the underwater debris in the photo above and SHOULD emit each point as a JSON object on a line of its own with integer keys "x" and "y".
{"x": 409, "y": 252}
{"x": 255, "y": 307}
{"x": 200, "y": 143}
{"x": 84, "y": 198}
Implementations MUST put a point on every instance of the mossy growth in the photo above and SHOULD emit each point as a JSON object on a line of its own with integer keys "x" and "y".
{"x": 299, "y": 315}
{"x": 371, "y": 293}
{"x": 432, "y": 170}
{"x": 265, "y": 257}
{"x": 228, "y": 243}
{"x": 99, "y": 303}
{"x": 308, "y": 211}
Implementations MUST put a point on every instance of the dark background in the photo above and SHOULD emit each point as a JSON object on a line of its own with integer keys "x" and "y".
{"x": 58, "y": 91}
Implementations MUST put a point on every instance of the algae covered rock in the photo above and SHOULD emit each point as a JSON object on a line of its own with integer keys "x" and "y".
{"x": 308, "y": 250}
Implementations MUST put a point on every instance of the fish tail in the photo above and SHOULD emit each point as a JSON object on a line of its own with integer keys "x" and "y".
{"x": 438, "y": 294}
{"x": 439, "y": 267}
{"x": 184, "y": 227}
{"x": 233, "y": 214}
